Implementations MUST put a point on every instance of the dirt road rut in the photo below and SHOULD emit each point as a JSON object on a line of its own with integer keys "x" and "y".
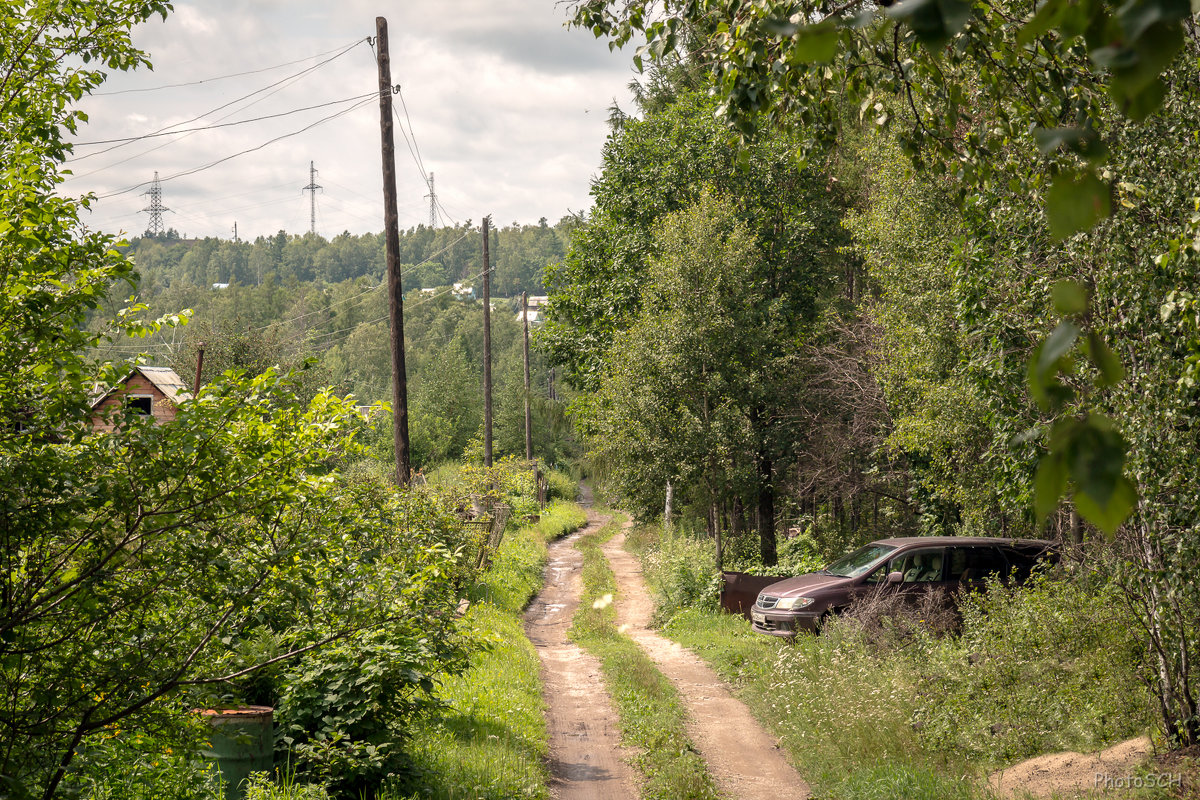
{"x": 744, "y": 761}
{"x": 586, "y": 759}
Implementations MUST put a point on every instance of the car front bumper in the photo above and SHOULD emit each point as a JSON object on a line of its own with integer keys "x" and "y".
{"x": 784, "y": 623}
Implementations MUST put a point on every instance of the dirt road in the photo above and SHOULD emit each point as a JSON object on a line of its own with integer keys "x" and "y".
{"x": 744, "y": 761}
{"x": 586, "y": 759}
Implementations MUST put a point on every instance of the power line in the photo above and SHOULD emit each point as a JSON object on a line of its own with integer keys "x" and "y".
{"x": 281, "y": 84}
{"x": 185, "y": 173}
{"x": 131, "y": 139}
{"x": 350, "y": 331}
{"x": 413, "y": 149}
{"x": 420, "y": 161}
{"x": 428, "y": 258}
{"x": 223, "y": 77}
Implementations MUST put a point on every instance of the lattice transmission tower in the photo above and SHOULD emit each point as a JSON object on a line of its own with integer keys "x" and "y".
{"x": 155, "y": 209}
{"x": 312, "y": 187}
{"x": 433, "y": 215}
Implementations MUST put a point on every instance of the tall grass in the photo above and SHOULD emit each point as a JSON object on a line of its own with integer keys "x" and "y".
{"x": 652, "y": 714}
{"x": 1047, "y": 667}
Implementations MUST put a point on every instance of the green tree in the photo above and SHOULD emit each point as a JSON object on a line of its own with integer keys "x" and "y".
{"x": 666, "y": 163}
{"x": 136, "y": 562}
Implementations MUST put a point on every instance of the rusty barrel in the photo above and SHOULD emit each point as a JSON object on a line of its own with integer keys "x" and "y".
{"x": 242, "y": 741}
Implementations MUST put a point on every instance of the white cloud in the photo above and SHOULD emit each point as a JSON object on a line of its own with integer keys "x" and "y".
{"x": 509, "y": 109}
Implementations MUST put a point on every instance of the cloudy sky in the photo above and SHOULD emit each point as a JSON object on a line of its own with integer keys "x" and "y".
{"x": 507, "y": 107}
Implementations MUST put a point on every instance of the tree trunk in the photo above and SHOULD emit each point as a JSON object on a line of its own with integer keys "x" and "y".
{"x": 667, "y": 506}
{"x": 716, "y": 534}
{"x": 759, "y": 423}
{"x": 766, "y": 515}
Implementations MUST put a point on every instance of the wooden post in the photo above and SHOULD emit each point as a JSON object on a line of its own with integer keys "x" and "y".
{"x": 528, "y": 416}
{"x": 199, "y": 369}
{"x": 391, "y": 226}
{"x": 487, "y": 349}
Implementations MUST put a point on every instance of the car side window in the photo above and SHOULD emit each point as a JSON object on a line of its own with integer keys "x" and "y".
{"x": 1022, "y": 564}
{"x": 919, "y": 566}
{"x": 975, "y": 563}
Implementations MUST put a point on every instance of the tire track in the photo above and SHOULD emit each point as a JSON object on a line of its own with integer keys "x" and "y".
{"x": 586, "y": 759}
{"x": 745, "y": 762}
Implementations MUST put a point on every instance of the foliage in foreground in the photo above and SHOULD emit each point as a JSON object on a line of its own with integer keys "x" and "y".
{"x": 652, "y": 715}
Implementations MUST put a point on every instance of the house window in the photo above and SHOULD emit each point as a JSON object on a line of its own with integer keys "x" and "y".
{"x": 141, "y": 403}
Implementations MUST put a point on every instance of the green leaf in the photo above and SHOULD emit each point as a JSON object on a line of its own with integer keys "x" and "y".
{"x": 815, "y": 43}
{"x": 780, "y": 26}
{"x": 1138, "y": 104}
{"x": 1138, "y": 16}
{"x": 1057, "y": 345}
{"x": 1083, "y": 140}
{"x": 1070, "y": 298}
{"x": 1112, "y": 371}
{"x": 1108, "y": 511}
{"x": 1049, "y": 484}
{"x": 1076, "y": 203}
{"x": 1046, "y": 17}
{"x": 933, "y": 21}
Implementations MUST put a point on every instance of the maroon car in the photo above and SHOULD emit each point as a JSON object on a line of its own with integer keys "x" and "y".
{"x": 914, "y": 564}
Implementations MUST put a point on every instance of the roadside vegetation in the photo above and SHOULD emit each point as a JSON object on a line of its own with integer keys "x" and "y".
{"x": 652, "y": 714}
{"x": 488, "y": 741}
{"x": 879, "y": 707}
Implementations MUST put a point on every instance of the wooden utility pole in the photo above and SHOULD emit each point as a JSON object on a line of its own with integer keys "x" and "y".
{"x": 487, "y": 348}
{"x": 199, "y": 369}
{"x": 391, "y": 226}
{"x": 528, "y": 418}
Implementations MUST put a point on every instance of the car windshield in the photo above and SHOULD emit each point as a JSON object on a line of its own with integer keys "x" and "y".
{"x": 859, "y": 561}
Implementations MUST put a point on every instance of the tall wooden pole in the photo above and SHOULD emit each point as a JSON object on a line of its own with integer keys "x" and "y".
{"x": 487, "y": 348}
{"x": 391, "y": 226}
{"x": 528, "y": 418}
{"x": 199, "y": 368}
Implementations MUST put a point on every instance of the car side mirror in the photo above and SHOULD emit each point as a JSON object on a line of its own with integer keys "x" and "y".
{"x": 895, "y": 577}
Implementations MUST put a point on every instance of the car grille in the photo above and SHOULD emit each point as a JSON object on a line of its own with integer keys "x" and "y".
{"x": 766, "y": 601}
{"x": 774, "y": 625}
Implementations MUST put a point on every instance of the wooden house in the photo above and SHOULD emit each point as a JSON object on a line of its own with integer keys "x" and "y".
{"x": 147, "y": 390}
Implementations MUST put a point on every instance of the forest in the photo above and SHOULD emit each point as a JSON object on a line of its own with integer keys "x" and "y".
{"x": 304, "y": 301}
{"x": 850, "y": 273}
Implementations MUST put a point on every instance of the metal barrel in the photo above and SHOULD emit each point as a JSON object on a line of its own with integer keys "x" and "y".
{"x": 242, "y": 741}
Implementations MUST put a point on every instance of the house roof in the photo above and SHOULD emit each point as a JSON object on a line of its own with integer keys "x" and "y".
{"x": 168, "y": 382}
{"x": 165, "y": 379}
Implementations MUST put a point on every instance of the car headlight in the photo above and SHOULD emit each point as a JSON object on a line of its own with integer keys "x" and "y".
{"x": 787, "y": 603}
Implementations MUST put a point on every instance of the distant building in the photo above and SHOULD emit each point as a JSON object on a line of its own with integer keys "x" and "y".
{"x": 536, "y": 315}
{"x": 464, "y": 291}
{"x": 220, "y": 285}
{"x": 155, "y": 391}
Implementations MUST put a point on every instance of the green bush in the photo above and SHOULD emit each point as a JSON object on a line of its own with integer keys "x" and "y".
{"x": 1052, "y": 665}
{"x": 147, "y": 764}
{"x": 681, "y": 571}
{"x": 260, "y": 786}
{"x": 345, "y": 712}
{"x": 561, "y": 486}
